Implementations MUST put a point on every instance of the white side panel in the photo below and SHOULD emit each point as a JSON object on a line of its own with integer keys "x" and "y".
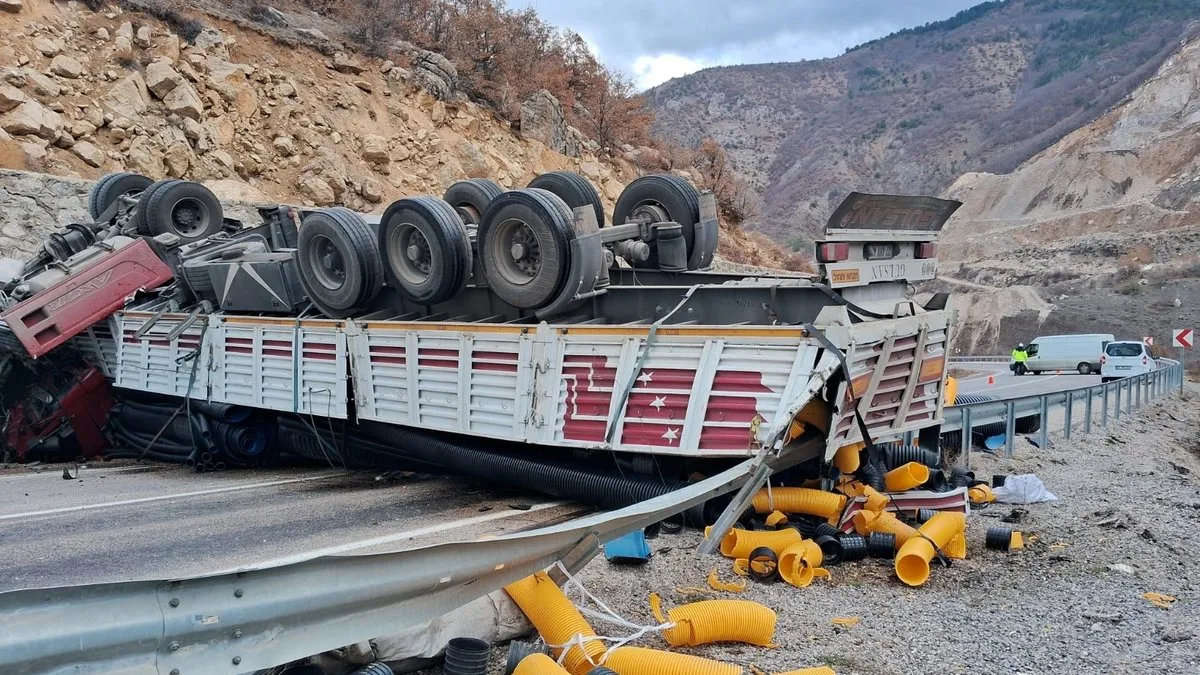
{"x": 156, "y": 364}
{"x": 98, "y": 346}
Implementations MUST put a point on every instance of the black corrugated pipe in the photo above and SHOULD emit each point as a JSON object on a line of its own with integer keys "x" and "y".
{"x": 871, "y": 474}
{"x": 895, "y": 456}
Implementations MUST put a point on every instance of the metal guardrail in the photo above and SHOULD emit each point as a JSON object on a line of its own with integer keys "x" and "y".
{"x": 978, "y": 359}
{"x": 242, "y": 621}
{"x": 1119, "y": 397}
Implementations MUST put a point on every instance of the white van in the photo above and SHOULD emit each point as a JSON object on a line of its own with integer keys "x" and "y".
{"x": 1080, "y": 353}
{"x": 1125, "y": 359}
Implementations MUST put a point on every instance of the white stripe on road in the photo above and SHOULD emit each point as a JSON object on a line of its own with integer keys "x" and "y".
{"x": 398, "y": 536}
{"x": 56, "y": 471}
{"x": 179, "y": 495}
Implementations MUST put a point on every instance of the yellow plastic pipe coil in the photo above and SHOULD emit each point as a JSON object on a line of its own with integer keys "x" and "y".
{"x": 819, "y": 670}
{"x": 800, "y": 500}
{"x": 876, "y": 500}
{"x": 800, "y": 563}
{"x": 539, "y": 664}
{"x": 912, "y": 562}
{"x": 557, "y": 621}
{"x": 906, "y": 477}
{"x": 740, "y": 543}
{"x": 886, "y": 521}
{"x": 642, "y": 661}
{"x": 847, "y": 459}
{"x": 708, "y": 621}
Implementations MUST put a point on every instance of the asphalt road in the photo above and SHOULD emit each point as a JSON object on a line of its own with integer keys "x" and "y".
{"x": 163, "y": 521}
{"x": 1006, "y": 385}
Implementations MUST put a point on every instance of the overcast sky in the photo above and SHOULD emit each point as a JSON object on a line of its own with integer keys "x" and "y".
{"x": 655, "y": 40}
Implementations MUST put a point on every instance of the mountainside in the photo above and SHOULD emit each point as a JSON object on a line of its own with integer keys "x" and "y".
{"x": 1100, "y": 232}
{"x": 982, "y": 91}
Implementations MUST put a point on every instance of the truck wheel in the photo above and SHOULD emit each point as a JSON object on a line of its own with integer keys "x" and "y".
{"x": 426, "y": 249}
{"x": 111, "y": 187}
{"x": 339, "y": 262}
{"x": 470, "y": 198}
{"x": 657, "y": 197}
{"x": 573, "y": 189}
{"x": 525, "y": 246}
{"x": 188, "y": 210}
{"x": 1085, "y": 368}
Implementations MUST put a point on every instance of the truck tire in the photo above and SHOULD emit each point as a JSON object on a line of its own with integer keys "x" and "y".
{"x": 665, "y": 192}
{"x": 339, "y": 262}
{"x": 138, "y": 220}
{"x": 111, "y": 187}
{"x": 470, "y": 198}
{"x": 1084, "y": 368}
{"x": 525, "y": 247}
{"x": 183, "y": 208}
{"x": 426, "y": 249}
{"x": 573, "y": 189}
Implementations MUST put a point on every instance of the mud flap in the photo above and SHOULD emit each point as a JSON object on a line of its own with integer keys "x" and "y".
{"x": 587, "y": 266}
{"x": 704, "y": 242}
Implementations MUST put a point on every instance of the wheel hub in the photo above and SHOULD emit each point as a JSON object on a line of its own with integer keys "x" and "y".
{"x": 518, "y": 251}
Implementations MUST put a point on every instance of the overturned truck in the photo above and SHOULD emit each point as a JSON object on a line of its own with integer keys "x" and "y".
{"x": 517, "y": 335}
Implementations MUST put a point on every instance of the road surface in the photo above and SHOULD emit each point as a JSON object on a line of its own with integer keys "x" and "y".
{"x": 164, "y": 521}
{"x": 1006, "y": 385}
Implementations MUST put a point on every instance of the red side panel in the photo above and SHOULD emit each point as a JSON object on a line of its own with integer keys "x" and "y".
{"x": 57, "y": 314}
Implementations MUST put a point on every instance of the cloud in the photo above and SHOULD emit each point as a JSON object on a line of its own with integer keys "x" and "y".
{"x": 650, "y": 39}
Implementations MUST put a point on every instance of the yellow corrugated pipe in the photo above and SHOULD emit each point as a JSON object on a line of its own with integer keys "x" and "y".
{"x": 957, "y": 547}
{"x": 951, "y": 391}
{"x": 847, "y": 459}
{"x": 557, "y": 620}
{"x": 876, "y": 500}
{"x": 740, "y": 543}
{"x": 885, "y": 521}
{"x": 819, "y": 670}
{"x": 800, "y": 563}
{"x": 906, "y": 477}
{"x": 776, "y": 518}
{"x": 981, "y": 494}
{"x": 800, "y": 500}
{"x": 912, "y": 562}
{"x": 642, "y": 661}
{"x": 701, "y": 623}
{"x": 539, "y": 664}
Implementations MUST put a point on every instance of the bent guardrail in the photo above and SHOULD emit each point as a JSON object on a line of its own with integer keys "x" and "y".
{"x": 242, "y": 621}
{"x": 1119, "y": 397}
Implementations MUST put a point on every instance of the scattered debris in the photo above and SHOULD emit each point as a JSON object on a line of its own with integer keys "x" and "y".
{"x": 1160, "y": 600}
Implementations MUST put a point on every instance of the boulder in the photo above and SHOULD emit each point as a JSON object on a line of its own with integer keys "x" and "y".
{"x": 316, "y": 189}
{"x": 371, "y": 190}
{"x": 224, "y": 159}
{"x": 212, "y": 40}
{"x": 542, "y": 120}
{"x": 183, "y": 100}
{"x": 66, "y": 66}
{"x": 10, "y": 97}
{"x": 11, "y": 6}
{"x": 122, "y": 48}
{"x": 230, "y": 82}
{"x": 144, "y": 36}
{"x": 364, "y": 85}
{"x": 344, "y": 63}
{"x": 47, "y": 46}
{"x": 127, "y": 98}
{"x": 436, "y": 74}
{"x": 42, "y": 84}
{"x": 178, "y": 158}
{"x": 375, "y": 149}
{"x": 32, "y": 119}
{"x": 102, "y": 34}
{"x": 125, "y": 30}
{"x": 89, "y": 153}
{"x": 284, "y": 145}
{"x": 312, "y": 34}
{"x": 473, "y": 161}
{"x": 144, "y": 157}
{"x": 162, "y": 79}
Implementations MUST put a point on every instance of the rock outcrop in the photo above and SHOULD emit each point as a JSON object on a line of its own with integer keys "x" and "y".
{"x": 542, "y": 119}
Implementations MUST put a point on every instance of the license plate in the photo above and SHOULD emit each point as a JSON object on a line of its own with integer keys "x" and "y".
{"x": 880, "y": 251}
{"x": 1124, "y": 367}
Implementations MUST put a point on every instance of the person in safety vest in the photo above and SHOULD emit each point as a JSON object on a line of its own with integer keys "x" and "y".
{"x": 1019, "y": 357}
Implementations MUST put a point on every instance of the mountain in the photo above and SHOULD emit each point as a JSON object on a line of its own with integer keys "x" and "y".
{"x": 980, "y": 92}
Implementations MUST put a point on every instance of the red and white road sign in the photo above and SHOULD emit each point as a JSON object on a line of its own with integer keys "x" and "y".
{"x": 1183, "y": 337}
{"x": 1148, "y": 340}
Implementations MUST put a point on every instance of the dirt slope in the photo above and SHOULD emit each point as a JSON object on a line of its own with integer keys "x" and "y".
{"x": 1105, "y": 224}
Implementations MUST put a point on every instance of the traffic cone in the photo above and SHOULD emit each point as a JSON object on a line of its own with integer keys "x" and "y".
{"x": 991, "y": 379}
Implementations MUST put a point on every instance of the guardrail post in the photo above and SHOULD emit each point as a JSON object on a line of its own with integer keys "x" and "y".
{"x": 1141, "y": 383}
{"x": 1087, "y": 412}
{"x": 965, "y": 441}
{"x": 1044, "y": 427}
{"x": 1117, "y": 407}
{"x": 1010, "y": 427}
{"x": 1104, "y": 409}
{"x": 1129, "y": 397}
{"x": 1070, "y": 409}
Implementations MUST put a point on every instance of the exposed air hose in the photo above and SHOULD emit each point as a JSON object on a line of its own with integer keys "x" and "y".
{"x": 912, "y": 560}
{"x": 799, "y": 500}
{"x": 557, "y": 621}
{"x": 642, "y": 661}
{"x": 708, "y": 621}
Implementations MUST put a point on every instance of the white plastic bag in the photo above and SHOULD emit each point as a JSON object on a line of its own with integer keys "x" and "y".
{"x": 1023, "y": 489}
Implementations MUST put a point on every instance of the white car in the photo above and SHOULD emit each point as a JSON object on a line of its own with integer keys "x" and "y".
{"x": 1125, "y": 359}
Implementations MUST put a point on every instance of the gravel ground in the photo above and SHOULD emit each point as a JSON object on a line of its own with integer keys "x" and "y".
{"x": 1129, "y": 496}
